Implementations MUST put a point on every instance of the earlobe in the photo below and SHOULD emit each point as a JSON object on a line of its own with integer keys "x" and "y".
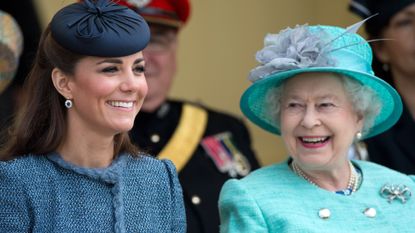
{"x": 360, "y": 122}
{"x": 61, "y": 82}
{"x": 380, "y": 52}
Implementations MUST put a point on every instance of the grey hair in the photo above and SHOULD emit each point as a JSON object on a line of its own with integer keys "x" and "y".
{"x": 364, "y": 100}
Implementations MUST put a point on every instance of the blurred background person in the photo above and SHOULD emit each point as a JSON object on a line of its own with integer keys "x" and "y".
{"x": 208, "y": 147}
{"x": 315, "y": 87}
{"x": 68, "y": 164}
{"x": 395, "y": 63}
{"x": 11, "y": 46}
{"x": 25, "y": 14}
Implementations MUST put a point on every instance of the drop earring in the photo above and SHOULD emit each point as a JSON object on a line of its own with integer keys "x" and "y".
{"x": 385, "y": 67}
{"x": 358, "y": 135}
{"x": 68, "y": 104}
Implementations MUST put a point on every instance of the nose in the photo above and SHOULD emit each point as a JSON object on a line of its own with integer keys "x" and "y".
{"x": 310, "y": 118}
{"x": 133, "y": 82}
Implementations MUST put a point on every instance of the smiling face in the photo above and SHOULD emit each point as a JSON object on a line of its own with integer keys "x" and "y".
{"x": 399, "y": 51}
{"x": 107, "y": 93}
{"x": 318, "y": 122}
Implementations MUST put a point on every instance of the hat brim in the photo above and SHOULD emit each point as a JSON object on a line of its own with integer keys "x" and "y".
{"x": 254, "y": 105}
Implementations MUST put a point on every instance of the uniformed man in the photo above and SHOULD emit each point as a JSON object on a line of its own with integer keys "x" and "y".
{"x": 207, "y": 147}
{"x": 24, "y": 13}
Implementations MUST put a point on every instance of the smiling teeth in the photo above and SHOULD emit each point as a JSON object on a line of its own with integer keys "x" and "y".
{"x": 121, "y": 104}
{"x": 314, "y": 140}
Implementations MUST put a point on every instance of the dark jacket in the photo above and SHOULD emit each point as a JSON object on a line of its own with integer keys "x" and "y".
{"x": 395, "y": 148}
{"x": 202, "y": 176}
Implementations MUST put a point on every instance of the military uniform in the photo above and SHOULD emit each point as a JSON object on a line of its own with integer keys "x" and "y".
{"x": 208, "y": 149}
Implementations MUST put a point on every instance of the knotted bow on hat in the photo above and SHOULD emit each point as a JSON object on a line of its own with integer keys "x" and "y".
{"x": 100, "y": 28}
{"x": 11, "y": 46}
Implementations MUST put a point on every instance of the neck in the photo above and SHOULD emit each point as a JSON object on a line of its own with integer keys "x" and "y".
{"x": 331, "y": 180}
{"x": 87, "y": 149}
{"x": 406, "y": 88}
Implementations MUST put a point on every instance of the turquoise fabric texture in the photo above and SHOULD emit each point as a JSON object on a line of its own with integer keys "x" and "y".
{"x": 47, "y": 194}
{"x": 275, "y": 199}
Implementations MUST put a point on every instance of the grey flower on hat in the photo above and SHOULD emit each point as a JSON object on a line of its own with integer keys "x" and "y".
{"x": 292, "y": 48}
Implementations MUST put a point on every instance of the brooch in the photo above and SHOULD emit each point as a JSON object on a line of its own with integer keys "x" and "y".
{"x": 392, "y": 192}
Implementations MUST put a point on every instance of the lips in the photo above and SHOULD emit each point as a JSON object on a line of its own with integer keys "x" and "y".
{"x": 121, "y": 104}
{"x": 314, "y": 142}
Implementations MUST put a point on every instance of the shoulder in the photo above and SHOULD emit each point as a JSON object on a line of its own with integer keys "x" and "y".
{"x": 272, "y": 175}
{"x": 23, "y": 171}
{"x": 371, "y": 166}
{"x": 23, "y": 166}
{"x": 148, "y": 164}
{"x": 379, "y": 171}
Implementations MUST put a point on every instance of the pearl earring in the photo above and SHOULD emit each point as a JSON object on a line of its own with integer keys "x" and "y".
{"x": 358, "y": 135}
{"x": 68, "y": 103}
{"x": 385, "y": 67}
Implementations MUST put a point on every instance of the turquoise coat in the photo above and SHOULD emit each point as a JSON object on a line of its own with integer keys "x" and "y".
{"x": 275, "y": 199}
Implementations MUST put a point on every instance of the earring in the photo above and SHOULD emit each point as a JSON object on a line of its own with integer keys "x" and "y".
{"x": 68, "y": 103}
{"x": 385, "y": 67}
{"x": 358, "y": 135}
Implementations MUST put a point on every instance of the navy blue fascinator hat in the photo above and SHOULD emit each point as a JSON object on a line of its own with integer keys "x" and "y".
{"x": 100, "y": 28}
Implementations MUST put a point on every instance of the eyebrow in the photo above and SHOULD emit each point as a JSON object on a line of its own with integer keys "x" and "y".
{"x": 322, "y": 97}
{"x": 118, "y": 61}
{"x": 329, "y": 96}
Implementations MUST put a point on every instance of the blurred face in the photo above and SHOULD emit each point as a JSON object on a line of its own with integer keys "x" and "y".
{"x": 160, "y": 56}
{"x": 399, "y": 53}
{"x": 318, "y": 123}
{"x": 107, "y": 93}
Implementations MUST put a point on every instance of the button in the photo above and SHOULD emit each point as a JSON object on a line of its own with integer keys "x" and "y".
{"x": 370, "y": 212}
{"x": 155, "y": 138}
{"x": 196, "y": 200}
{"x": 324, "y": 213}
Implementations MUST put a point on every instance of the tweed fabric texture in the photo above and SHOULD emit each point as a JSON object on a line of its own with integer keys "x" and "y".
{"x": 47, "y": 194}
{"x": 274, "y": 199}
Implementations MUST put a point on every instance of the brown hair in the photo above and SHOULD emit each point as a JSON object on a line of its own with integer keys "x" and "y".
{"x": 40, "y": 125}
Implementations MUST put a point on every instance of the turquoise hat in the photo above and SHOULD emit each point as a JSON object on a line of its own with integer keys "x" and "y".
{"x": 316, "y": 49}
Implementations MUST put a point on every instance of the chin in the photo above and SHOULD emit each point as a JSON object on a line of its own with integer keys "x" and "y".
{"x": 125, "y": 127}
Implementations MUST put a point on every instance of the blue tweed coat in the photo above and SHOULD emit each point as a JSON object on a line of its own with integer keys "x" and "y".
{"x": 274, "y": 199}
{"x": 47, "y": 194}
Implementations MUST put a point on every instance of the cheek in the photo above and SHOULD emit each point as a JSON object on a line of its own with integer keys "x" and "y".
{"x": 143, "y": 88}
{"x": 169, "y": 62}
{"x": 288, "y": 122}
{"x": 98, "y": 86}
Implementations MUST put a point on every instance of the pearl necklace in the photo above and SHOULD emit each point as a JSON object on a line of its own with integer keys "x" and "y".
{"x": 351, "y": 185}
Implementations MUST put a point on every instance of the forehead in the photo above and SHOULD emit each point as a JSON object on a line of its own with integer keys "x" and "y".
{"x": 317, "y": 85}
{"x": 91, "y": 62}
{"x": 161, "y": 30}
{"x": 409, "y": 10}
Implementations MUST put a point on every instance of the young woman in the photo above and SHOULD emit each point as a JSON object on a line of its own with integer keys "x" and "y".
{"x": 69, "y": 165}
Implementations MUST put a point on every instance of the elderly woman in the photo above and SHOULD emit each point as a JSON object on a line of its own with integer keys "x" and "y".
{"x": 315, "y": 87}
{"x": 69, "y": 165}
